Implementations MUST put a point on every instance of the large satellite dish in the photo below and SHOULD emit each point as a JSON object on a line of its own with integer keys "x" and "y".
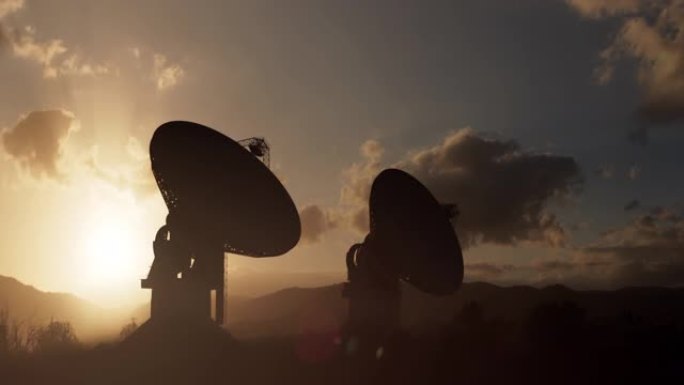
{"x": 221, "y": 198}
{"x": 221, "y": 191}
{"x": 411, "y": 234}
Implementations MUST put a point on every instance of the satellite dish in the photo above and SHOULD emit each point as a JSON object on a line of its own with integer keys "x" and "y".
{"x": 221, "y": 198}
{"x": 220, "y": 191}
{"x": 412, "y": 239}
{"x": 411, "y": 234}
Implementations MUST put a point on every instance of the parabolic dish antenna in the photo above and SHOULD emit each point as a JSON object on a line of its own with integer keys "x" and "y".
{"x": 221, "y": 198}
{"x": 220, "y": 192}
{"x": 411, "y": 234}
{"x": 412, "y": 239}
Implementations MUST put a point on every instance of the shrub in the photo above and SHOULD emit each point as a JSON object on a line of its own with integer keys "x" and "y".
{"x": 56, "y": 336}
{"x": 128, "y": 329}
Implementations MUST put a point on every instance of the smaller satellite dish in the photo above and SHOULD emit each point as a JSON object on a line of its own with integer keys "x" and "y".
{"x": 412, "y": 239}
{"x": 411, "y": 235}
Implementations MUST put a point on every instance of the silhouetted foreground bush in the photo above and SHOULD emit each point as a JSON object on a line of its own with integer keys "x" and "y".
{"x": 19, "y": 338}
{"x": 554, "y": 343}
{"x": 128, "y": 329}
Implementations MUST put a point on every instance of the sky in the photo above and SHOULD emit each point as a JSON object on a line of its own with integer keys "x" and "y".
{"x": 555, "y": 126}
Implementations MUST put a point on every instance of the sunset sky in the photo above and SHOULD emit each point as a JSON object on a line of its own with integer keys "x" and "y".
{"x": 556, "y": 126}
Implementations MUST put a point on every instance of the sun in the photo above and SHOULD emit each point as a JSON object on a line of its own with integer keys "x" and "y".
{"x": 112, "y": 246}
{"x": 106, "y": 246}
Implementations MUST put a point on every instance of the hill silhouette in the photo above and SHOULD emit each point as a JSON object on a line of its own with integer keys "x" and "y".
{"x": 31, "y": 306}
{"x": 530, "y": 335}
{"x": 288, "y": 311}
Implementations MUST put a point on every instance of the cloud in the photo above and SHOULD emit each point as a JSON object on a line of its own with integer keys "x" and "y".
{"x": 632, "y": 205}
{"x": 487, "y": 271}
{"x": 52, "y": 54}
{"x": 605, "y": 8}
{"x": 605, "y": 172}
{"x": 652, "y": 33}
{"x": 166, "y": 75}
{"x": 7, "y": 7}
{"x": 10, "y": 6}
{"x": 356, "y": 188}
{"x": 551, "y": 265}
{"x": 647, "y": 251}
{"x": 502, "y": 192}
{"x": 58, "y": 59}
{"x": 633, "y": 172}
{"x": 4, "y": 40}
{"x": 315, "y": 223}
{"x": 38, "y": 144}
{"x": 352, "y": 210}
{"x": 37, "y": 139}
{"x": 133, "y": 173}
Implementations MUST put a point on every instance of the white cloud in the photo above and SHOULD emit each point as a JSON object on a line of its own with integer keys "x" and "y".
{"x": 166, "y": 75}
{"x": 10, "y": 6}
{"x": 52, "y": 55}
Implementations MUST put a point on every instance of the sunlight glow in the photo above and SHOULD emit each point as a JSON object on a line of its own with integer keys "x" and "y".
{"x": 107, "y": 248}
{"x": 114, "y": 247}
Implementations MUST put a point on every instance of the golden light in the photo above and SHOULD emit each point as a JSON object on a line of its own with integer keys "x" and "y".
{"x": 114, "y": 247}
{"x": 107, "y": 248}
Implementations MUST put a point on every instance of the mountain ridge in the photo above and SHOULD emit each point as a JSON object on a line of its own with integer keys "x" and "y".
{"x": 290, "y": 310}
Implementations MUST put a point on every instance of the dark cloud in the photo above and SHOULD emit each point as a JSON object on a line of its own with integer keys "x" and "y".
{"x": 652, "y": 34}
{"x": 639, "y": 135}
{"x": 665, "y": 214}
{"x": 36, "y": 141}
{"x": 634, "y": 172}
{"x": 648, "y": 251}
{"x": 502, "y": 192}
{"x": 553, "y": 265}
{"x": 605, "y": 172}
{"x": 485, "y": 270}
{"x": 315, "y": 222}
{"x": 632, "y": 205}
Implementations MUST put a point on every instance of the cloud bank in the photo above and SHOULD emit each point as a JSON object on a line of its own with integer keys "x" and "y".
{"x": 503, "y": 193}
{"x": 647, "y": 251}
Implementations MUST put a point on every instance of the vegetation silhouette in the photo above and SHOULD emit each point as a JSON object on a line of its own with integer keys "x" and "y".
{"x": 554, "y": 341}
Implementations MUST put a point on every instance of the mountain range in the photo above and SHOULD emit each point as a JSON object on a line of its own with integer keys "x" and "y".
{"x": 296, "y": 310}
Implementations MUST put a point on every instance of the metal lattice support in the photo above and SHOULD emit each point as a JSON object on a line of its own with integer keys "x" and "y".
{"x": 259, "y": 148}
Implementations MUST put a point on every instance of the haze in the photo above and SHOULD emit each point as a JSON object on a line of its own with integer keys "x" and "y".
{"x": 554, "y": 125}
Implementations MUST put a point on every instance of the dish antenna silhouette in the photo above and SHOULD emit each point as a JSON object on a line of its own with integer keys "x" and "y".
{"x": 221, "y": 198}
{"x": 411, "y": 239}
